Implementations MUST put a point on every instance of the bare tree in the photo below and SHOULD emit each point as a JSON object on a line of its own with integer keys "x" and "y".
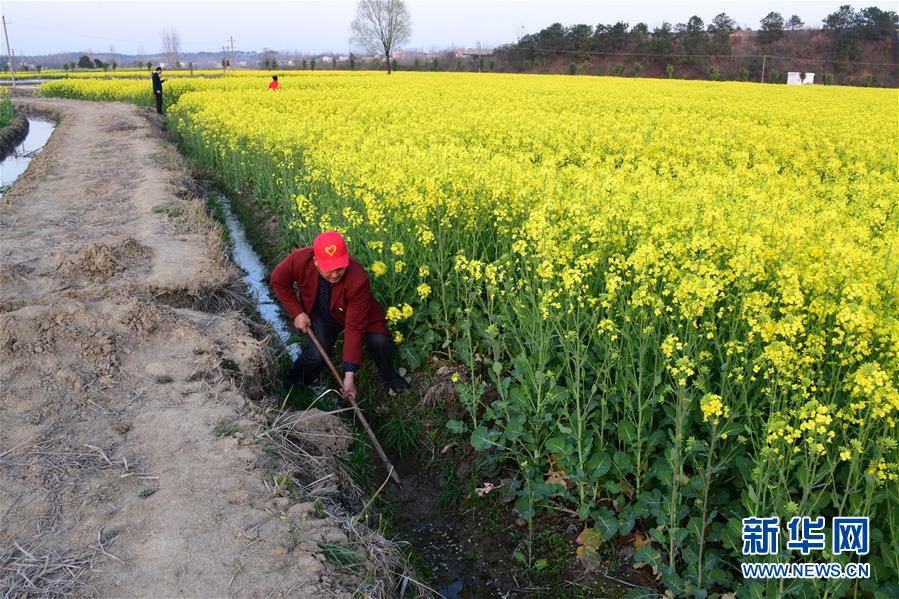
{"x": 171, "y": 47}
{"x": 380, "y": 26}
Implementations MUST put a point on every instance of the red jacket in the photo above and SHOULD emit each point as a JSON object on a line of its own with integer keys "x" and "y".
{"x": 352, "y": 303}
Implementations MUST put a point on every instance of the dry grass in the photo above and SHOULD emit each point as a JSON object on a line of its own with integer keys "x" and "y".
{"x": 325, "y": 480}
{"x": 39, "y": 572}
{"x": 36, "y": 569}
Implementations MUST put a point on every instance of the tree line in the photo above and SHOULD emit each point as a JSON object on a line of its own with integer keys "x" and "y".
{"x": 694, "y": 38}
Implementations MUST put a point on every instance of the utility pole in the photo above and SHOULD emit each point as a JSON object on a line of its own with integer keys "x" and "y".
{"x": 12, "y": 67}
{"x": 225, "y": 64}
{"x": 231, "y": 39}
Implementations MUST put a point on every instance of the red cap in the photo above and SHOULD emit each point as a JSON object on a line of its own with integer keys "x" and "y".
{"x": 330, "y": 251}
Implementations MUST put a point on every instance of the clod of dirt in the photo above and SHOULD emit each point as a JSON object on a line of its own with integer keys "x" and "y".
{"x": 100, "y": 261}
{"x": 145, "y": 318}
{"x": 322, "y": 430}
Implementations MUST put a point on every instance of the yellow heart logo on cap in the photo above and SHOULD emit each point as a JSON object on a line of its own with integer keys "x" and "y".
{"x": 331, "y": 249}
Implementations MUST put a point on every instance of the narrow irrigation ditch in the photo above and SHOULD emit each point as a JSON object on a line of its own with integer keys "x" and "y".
{"x": 13, "y": 165}
{"x": 453, "y": 513}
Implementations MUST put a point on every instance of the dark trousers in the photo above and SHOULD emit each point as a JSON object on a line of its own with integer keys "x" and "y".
{"x": 307, "y": 368}
{"x": 158, "y": 103}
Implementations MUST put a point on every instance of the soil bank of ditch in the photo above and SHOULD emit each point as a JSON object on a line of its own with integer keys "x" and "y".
{"x": 130, "y": 461}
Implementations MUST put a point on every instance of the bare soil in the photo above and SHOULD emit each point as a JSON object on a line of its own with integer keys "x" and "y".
{"x": 129, "y": 462}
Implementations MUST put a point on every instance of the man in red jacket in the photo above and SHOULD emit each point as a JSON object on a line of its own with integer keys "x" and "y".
{"x": 334, "y": 295}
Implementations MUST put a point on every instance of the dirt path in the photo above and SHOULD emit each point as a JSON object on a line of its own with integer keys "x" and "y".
{"x": 127, "y": 460}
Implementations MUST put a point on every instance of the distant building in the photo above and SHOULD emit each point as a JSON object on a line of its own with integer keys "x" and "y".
{"x": 795, "y": 78}
{"x": 461, "y": 52}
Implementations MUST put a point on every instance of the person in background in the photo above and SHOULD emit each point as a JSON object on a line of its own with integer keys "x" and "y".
{"x": 157, "y": 88}
{"x": 274, "y": 85}
{"x": 334, "y": 296}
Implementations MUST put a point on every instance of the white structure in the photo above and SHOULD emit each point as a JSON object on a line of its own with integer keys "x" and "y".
{"x": 795, "y": 78}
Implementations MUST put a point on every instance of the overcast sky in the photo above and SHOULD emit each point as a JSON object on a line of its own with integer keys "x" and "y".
{"x": 322, "y": 26}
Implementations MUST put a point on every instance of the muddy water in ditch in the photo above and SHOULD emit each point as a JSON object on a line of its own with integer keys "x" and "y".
{"x": 254, "y": 278}
{"x": 14, "y": 165}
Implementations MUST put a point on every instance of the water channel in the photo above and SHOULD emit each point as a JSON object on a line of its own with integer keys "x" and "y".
{"x": 12, "y": 167}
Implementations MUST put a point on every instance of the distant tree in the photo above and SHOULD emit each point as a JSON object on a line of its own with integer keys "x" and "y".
{"x": 638, "y": 69}
{"x": 394, "y": 65}
{"x": 843, "y": 18}
{"x": 84, "y": 62}
{"x": 171, "y": 46}
{"x": 846, "y": 26}
{"x": 105, "y": 67}
{"x": 639, "y": 37}
{"x": 794, "y": 23}
{"x": 619, "y": 68}
{"x": 352, "y": 61}
{"x": 722, "y": 24}
{"x": 491, "y": 65}
{"x": 65, "y": 68}
{"x": 305, "y": 63}
{"x": 618, "y": 35}
{"x": 721, "y": 27}
{"x": 578, "y": 37}
{"x": 39, "y": 68}
{"x": 714, "y": 74}
{"x": 417, "y": 64}
{"x": 98, "y": 64}
{"x": 190, "y": 65}
{"x": 772, "y": 27}
{"x": 662, "y": 43}
{"x": 877, "y": 24}
{"x": 312, "y": 64}
{"x": 551, "y": 38}
{"x": 381, "y": 26}
{"x": 149, "y": 66}
{"x": 114, "y": 66}
{"x": 435, "y": 64}
{"x": 669, "y": 71}
{"x": 572, "y": 69}
{"x": 696, "y": 41}
{"x": 744, "y": 74}
{"x": 640, "y": 29}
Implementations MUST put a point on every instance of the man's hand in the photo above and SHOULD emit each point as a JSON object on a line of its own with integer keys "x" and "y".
{"x": 349, "y": 385}
{"x": 302, "y": 322}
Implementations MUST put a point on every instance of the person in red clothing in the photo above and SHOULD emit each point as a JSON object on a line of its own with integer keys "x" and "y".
{"x": 274, "y": 85}
{"x": 334, "y": 296}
